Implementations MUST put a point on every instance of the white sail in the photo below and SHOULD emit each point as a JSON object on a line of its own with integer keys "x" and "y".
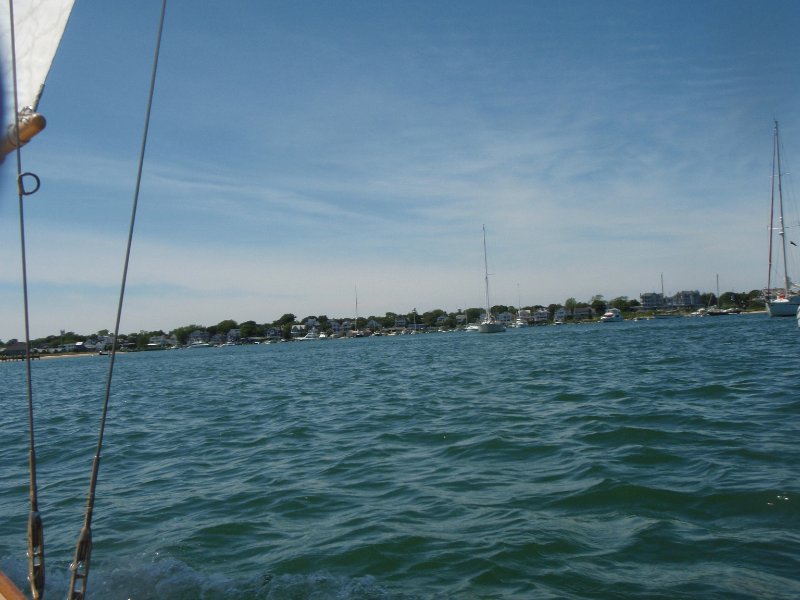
{"x": 38, "y": 28}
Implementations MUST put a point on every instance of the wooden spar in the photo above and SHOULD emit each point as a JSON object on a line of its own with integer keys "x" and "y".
{"x": 8, "y": 591}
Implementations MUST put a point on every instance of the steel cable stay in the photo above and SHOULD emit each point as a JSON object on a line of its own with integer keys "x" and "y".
{"x": 35, "y": 537}
{"x": 27, "y": 184}
{"x": 80, "y": 564}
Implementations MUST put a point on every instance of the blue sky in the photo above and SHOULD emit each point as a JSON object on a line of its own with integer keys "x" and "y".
{"x": 300, "y": 149}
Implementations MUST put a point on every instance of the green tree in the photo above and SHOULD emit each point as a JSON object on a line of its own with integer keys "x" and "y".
{"x": 287, "y": 319}
{"x": 430, "y": 317}
{"x": 755, "y": 299}
{"x": 598, "y": 304}
{"x": 250, "y": 329}
{"x": 182, "y": 333}
{"x": 708, "y": 299}
{"x": 620, "y": 302}
{"x": 225, "y": 326}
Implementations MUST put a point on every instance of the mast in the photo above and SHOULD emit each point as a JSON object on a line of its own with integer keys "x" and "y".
{"x": 782, "y": 232}
{"x": 486, "y": 274}
{"x": 768, "y": 293}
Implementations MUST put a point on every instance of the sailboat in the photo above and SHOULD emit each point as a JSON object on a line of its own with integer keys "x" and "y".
{"x": 782, "y": 301}
{"x": 488, "y": 324}
{"x": 30, "y": 33}
{"x": 519, "y": 321}
{"x": 356, "y": 332}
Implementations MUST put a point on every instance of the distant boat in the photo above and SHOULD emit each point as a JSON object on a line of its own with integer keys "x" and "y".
{"x": 519, "y": 321}
{"x": 200, "y": 345}
{"x": 356, "y": 333}
{"x": 612, "y": 315}
{"x": 785, "y": 301}
{"x": 311, "y": 335}
{"x": 489, "y": 324}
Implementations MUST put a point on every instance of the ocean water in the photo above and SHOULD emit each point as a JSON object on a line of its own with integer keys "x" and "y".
{"x": 650, "y": 459}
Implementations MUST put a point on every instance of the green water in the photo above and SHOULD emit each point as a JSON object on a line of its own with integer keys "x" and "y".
{"x": 652, "y": 459}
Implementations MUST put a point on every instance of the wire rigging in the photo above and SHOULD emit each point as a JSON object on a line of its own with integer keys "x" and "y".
{"x": 80, "y": 565}
{"x": 35, "y": 540}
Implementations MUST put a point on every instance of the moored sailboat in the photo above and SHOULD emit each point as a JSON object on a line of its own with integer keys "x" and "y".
{"x": 781, "y": 301}
{"x": 488, "y": 324}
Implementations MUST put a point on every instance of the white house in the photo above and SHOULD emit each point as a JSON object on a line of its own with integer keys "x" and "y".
{"x": 506, "y": 318}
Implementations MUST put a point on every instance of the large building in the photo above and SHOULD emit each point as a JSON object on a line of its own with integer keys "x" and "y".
{"x": 687, "y": 299}
{"x": 651, "y": 300}
{"x": 684, "y": 299}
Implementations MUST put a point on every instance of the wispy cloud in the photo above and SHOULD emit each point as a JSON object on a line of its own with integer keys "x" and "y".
{"x": 290, "y": 160}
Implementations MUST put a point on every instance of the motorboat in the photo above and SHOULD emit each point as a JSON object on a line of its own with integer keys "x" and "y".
{"x": 612, "y": 315}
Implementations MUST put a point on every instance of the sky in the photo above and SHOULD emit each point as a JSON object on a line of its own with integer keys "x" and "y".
{"x": 300, "y": 151}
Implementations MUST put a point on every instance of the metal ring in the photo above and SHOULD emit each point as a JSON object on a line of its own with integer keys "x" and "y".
{"x": 21, "y": 181}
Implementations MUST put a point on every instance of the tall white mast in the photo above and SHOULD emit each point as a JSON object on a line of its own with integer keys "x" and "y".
{"x": 486, "y": 274}
{"x": 780, "y": 209}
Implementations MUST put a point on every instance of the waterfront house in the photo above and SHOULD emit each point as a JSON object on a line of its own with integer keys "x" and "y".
{"x": 14, "y": 349}
{"x": 560, "y": 314}
{"x": 156, "y": 342}
{"x": 541, "y": 316}
{"x": 583, "y": 312}
{"x": 199, "y": 336}
{"x": 506, "y": 318}
{"x": 651, "y": 301}
{"x": 687, "y": 299}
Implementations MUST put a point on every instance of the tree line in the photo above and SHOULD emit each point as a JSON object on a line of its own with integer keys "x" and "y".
{"x": 250, "y": 329}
